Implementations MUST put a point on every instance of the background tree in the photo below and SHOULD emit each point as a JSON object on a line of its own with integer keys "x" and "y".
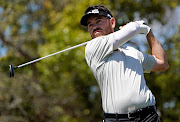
{"x": 62, "y": 88}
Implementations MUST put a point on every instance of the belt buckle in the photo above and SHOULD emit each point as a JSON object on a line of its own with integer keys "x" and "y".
{"x": 129, "y": 116}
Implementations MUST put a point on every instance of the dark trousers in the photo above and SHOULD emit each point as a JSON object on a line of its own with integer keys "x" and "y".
{"x": 142, "y": 115}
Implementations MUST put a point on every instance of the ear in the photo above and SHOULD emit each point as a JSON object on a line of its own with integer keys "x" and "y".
{"x": 113, "y": 22}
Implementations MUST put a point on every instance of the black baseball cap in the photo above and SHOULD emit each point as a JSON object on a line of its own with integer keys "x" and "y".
{"x": 95, "y": 10}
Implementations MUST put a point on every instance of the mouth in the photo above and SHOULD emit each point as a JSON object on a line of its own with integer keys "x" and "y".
{"x": 97, "y": 31}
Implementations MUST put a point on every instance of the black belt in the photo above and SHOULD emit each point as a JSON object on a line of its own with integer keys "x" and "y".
{"x": 137, "y": 113}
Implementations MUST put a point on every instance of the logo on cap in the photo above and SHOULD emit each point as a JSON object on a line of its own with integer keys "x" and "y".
{"x": 95, "y": 11}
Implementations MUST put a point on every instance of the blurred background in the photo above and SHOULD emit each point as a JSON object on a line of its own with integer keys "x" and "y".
{"x": 62, "y": 88}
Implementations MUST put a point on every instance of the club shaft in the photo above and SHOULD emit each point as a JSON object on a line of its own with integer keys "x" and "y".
{"x": 33, "y": 61}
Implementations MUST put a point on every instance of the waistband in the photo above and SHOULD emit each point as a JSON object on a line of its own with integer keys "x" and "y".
{"x": 137, "y": 113}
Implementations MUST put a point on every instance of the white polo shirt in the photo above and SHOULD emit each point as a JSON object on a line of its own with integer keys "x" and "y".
{"x": 119, "y": 71}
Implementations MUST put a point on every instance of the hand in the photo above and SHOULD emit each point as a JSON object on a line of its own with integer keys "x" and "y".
{"x": 144, "y": 29}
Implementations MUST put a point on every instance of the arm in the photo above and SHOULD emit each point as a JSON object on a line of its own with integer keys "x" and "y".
{"x": 128, "y": 31}
{"x": 125, "y": 34}
{"x": 158, "y": 52}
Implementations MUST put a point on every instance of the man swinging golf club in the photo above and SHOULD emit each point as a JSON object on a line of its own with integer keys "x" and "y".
{"x": 119, "y": 69}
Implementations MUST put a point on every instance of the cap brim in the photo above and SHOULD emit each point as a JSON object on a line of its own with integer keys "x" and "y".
{"x": 85, "y": 18}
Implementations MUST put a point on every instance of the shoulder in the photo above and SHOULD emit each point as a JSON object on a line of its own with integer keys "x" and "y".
{"x": 97, "y": 43}
{"x": 92, "y": 44}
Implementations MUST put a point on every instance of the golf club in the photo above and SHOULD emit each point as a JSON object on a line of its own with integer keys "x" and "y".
{"x": 11, "y": 68}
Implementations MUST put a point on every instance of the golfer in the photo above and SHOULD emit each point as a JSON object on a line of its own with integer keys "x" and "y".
{"x": 118, "y": 69}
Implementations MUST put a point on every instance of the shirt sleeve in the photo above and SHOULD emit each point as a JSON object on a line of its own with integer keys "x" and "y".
{"x": 148, "y": 62}
{"x": 125, "y": 34}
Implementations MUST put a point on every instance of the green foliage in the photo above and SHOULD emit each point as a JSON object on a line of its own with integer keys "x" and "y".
{"x": 62, "y": 88}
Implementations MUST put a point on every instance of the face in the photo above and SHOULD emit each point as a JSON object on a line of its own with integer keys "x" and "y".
{"x": 100, "y": 26}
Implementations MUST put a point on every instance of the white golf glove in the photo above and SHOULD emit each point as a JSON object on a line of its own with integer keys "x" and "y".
{"x": 144, "y": 29}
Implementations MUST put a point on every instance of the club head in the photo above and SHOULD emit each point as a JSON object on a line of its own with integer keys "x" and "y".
{"x": 11, "y": 70}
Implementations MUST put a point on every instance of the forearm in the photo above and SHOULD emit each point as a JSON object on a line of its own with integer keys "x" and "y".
{"x": 158, "y": 52}
{"x": 125, "y": 34}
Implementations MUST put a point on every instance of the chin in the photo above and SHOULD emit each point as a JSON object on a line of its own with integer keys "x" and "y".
{"x": 98, "y": 35}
